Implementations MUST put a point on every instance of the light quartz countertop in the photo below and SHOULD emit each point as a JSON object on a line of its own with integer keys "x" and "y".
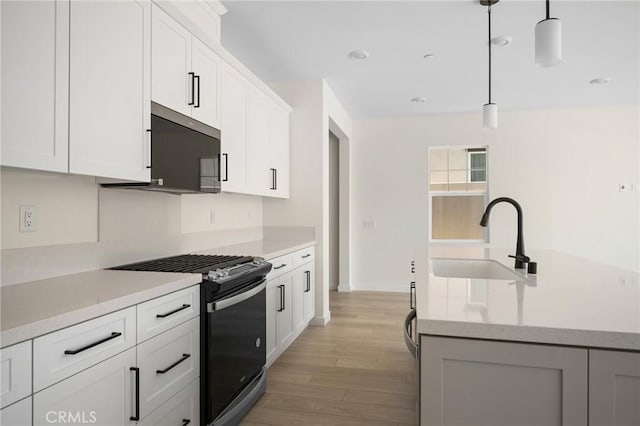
{"x": 39, "y": 307}
{"x": 31, "y": 309}
{"x": 571, "y": 301}
{"x": 267, "y": 248}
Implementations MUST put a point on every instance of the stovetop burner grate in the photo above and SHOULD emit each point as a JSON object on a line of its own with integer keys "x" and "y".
{"x": 194, "y": 263}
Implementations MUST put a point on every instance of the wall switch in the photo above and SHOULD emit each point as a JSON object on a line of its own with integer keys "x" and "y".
{"x": 27, "y": 218}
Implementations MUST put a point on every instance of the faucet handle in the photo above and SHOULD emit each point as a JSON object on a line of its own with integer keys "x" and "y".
{"x": 521, "y": 258}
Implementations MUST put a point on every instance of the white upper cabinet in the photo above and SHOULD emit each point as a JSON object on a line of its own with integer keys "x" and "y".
{"x": 185, "y": 71}
{"x": 233, "y": 130}
{"x": 35, "y": 60}
{"x": 170, "y": 62}
{"x": 258, "y": 176}
{"x": 110, "y": 89}
{"x": 206, "y": 67}
{"x": 279, "y": 150}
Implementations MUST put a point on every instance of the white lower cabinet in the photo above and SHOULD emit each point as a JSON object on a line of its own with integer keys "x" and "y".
{"x": 168, "y": 362}
{"x": 290, "y": 299}
{"x": 614, "y": 388}
{"x": 466, "y": 381}
{"x": 18, "y": 414}
{"x": 15, "y": 373}
{"x": 100, "y": 395}
{"x": 183, "y": 409}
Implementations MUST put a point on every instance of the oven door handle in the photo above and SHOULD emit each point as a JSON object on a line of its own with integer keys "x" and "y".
{"x": 234, "y": 300}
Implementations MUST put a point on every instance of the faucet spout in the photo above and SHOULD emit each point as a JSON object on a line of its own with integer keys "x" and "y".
{"x": 520, "y": 257}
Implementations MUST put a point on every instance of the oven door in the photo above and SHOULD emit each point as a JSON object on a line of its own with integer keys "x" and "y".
{"x": 236, "y": 327}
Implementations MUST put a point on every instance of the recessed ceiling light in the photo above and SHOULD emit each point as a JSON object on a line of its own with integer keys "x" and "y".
{"x": 419, "y": 100}
{"x": 600, "y": 80}
{"x": 501, "y": 41}
{"x": 429, "y": 56}
{"x": 359, "y": 55}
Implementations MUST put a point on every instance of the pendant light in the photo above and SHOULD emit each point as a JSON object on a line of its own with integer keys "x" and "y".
{"x": 548, "y": 41}
{"x": 489, "y": 110}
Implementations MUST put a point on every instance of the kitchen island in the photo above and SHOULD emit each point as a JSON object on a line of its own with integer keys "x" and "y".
{"x": 558, "y": 347}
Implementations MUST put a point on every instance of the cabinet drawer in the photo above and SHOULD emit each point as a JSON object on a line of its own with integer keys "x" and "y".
{"x": 182, "y": 409}
{"x": 163, "y": 313}
{"x": 101, "y": 395}
{"x": 281, "y": 265}
{"x": 65, "y": 352}
{"x": 18, "y": 414}
{"x": 15, "y": 373}
{"x": 168, "y": 362}
{"x": 303, "y": 256}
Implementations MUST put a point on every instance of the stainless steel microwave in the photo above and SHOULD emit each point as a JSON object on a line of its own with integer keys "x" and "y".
{"x": 185, "y": 155}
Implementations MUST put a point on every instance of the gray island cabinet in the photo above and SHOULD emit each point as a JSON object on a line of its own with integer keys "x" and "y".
{"x": 559, "y": 348}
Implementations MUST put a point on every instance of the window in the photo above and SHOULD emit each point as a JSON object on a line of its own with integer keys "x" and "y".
{"x": 457, "y": 192}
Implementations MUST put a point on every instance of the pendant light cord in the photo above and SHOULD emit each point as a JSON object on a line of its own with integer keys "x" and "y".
{"x": 489, "y": 13}
{"x": 548, "y": 9}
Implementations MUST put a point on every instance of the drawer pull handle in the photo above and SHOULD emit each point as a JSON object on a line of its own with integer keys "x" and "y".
{"x": 185, "y": 422}
{"x": 90, "y": 345}
{"x": 183, "y": 307}
{"x": 137, "y": 416}
{"x": 306, "y": 255}
{"x": 281, "y": 266}
{"x": 184, "y": 357}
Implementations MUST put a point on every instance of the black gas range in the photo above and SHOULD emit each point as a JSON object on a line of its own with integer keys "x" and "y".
{"x": 232, "y": 330}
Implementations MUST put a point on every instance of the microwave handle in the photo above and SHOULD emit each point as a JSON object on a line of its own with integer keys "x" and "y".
{"x": 147, "y": 146}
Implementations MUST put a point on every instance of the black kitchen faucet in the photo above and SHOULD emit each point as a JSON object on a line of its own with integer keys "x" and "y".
{"x": 520, "y": 257}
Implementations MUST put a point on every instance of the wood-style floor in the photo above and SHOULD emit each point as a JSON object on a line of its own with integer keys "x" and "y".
{"x": 354, "y": 371}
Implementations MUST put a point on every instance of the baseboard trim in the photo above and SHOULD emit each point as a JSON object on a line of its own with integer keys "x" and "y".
{"x": 395, "y": 288}
{"x": 344, "y": 288}
{"x": 321, "y": 321}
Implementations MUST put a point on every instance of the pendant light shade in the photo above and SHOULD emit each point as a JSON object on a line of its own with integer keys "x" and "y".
{"x": 490, "y": 116}
{"x": 548, "y": 41}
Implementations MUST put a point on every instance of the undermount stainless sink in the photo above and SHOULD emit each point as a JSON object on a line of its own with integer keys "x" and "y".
{"x": 473, "y": 268}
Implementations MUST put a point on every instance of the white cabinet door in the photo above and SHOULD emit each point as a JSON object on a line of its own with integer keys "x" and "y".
{"x": 466, "y": 381}
{"x": 15, "y": 373}
{"x": 35, "y": 69}
{"x": 100, "y": 395}
{"x": 18, "y": 414}
{"x": 309, "y": 291}
{"x": 614, "y": 388}
{"x": 259, "y": 177}
{"x": 206, "y": 67}
{"x": 110, "y": 89}
{"x": 233, "y": 129}
{"x": 285, "y": 309}
{"x": 273, "y": 304}
{"x": 279, "y": 149}
{"x": 171, "y": 83}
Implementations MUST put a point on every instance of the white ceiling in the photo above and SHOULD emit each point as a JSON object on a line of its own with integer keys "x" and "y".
{"x": 305, "y": 40}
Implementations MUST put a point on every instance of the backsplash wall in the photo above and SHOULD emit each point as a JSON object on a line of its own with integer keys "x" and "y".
{"x": 81, "y": 226}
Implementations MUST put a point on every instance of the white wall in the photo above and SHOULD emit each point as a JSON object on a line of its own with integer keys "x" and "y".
{"x": 315, "y": 110}
{"x": 83, "y": 227}
{"x": 563, "y": 166}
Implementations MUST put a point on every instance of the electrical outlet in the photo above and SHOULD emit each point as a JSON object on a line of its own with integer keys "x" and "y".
{"x": 622, "y": 187}
{"x": 27, "y": 218}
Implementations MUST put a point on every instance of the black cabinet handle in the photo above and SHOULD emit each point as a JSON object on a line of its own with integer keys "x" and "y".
{"x": 185, "y": 422}
{"x": 137, "y": 415}
{"x": 226, "y": 167}
{"x": 184, "y": 357}
{"x": 281, "y": 308}
{"x": 280, "y": 266}
{"x": 193, "y": 88}
{"x": 306, "y": 255}
{"x": 284, "y": 298}
{"x": 412, "y": 292}
{"x": 197, "y": 79}
{"x": 91, "y": 345}
{"x": 183, "y": 307}
{"x": 273, "y": 179}
{"x": 308, "y": 274}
